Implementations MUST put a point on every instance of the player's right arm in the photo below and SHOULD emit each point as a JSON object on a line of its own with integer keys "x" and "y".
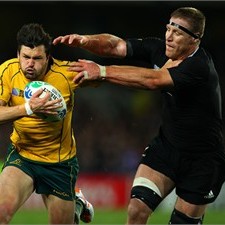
{"x": 11, "y": 113}
{"x": 99, "y": 44}
{"x": 36, "y": 104}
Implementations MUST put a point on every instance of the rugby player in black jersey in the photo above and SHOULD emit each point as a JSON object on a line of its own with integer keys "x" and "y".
{"x": 188, "y": 153}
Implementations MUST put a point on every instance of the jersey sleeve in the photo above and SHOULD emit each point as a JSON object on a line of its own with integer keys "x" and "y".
{"x": 5, "y": 76}
{"x": 150, "y": 49}
{"x": 191, "y": 73}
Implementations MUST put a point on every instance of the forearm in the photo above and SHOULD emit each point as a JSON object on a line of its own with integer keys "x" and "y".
{"x": 11, "y": 113}
{"x": 131, "y": 76}
{"x": 104, "y": 45}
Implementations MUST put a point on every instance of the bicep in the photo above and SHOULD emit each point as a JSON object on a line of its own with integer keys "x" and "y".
{"x": 161, "y": 79}
{"x": 116, "y": 47}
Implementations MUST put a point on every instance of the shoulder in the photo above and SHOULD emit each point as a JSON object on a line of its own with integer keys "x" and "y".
{"x": 59, "y": 73}
{"x": 146, "y": 40}
{"x": 193, "y": 71}
{"x": 145, "y": 48}
{"x": 200, "y": 63}
{"x": 61, "y": 67}
{"x": 9, "y": 68}
{"x": 60, "y": 64}
{"x": 10, "y": 63}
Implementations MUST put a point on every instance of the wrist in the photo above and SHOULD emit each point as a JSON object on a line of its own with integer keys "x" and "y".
{"x": 28, "y": 109}
{"x": 84, "y": 40}
{"x": 102, "y": 72}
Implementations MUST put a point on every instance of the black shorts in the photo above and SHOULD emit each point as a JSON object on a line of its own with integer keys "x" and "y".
{"x": 198, "y": 177}
{"x": 49, "y": 178}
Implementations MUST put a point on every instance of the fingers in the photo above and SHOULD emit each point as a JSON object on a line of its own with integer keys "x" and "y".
{"x": 50, "y": 107}
{"x": 81, "y": 65}
{"x": 37, "y": 93}
{"x": 67, "y": 39}
{"x": 42, "y": 93}
{"x": 53, "y": 104}
{"x": 78, "y": 78}
{"x": 40, "y": 101}
{"x": 57, "y": 40}
{"x": 85, "y": 61}
{"x": 76, "y": 67}
{"x": 74, "y": 40}
{"x": 87, "y": 71}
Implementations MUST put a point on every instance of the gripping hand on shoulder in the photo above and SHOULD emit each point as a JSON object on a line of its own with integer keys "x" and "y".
{"x": 87, "y": 71}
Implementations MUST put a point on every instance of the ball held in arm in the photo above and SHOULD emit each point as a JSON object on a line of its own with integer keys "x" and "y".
{"x": 33, "y": 86}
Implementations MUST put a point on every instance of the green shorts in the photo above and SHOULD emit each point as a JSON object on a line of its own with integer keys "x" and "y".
{"x": 50, "y": 179}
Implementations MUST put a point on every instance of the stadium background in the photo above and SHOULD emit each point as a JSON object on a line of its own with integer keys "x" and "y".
{"x": 112, "y": 124}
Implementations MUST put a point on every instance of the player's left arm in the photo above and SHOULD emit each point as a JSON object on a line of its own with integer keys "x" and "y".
{"x": 131, "y": 76}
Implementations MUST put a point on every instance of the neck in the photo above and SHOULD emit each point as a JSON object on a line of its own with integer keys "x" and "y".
{"x": 190, "y": 53}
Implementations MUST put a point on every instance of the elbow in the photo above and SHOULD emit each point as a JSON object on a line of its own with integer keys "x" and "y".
{"x": 153, "y": 85}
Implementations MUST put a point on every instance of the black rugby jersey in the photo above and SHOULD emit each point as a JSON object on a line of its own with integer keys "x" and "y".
{"x": 191, "y": 116}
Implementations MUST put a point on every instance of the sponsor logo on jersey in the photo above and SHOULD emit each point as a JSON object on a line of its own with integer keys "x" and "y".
{"x": 17, "y": 92}
{"x": 17, "y": 162}
{"x": 210, "y": 195}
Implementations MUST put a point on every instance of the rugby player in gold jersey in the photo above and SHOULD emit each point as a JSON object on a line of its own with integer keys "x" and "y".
{"x": 42, "y": 155}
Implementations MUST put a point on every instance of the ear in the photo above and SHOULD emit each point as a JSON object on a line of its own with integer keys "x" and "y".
{"x": 198, "y": 35}
{"x": 197, "y": 41}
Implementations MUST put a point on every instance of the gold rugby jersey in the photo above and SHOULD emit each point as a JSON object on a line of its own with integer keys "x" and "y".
{"x": 35, "y": 138}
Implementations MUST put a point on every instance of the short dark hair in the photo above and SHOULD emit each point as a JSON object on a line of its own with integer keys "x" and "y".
{"x": 33, "y": 35}
{"x": 195, "y": 18}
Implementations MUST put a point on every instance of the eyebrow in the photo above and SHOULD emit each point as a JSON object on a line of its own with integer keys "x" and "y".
{"x": 185, "y": 30}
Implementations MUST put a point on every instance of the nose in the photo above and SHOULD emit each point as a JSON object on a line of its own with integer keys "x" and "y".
{"x": 169, "y": 35}
{"x": 30, "y": 62}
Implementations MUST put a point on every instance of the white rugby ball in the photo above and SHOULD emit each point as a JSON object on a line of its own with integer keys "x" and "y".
{"x": 33, "y": 86}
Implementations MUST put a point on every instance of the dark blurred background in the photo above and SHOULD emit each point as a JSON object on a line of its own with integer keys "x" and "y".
{"x": 112, "y": 124}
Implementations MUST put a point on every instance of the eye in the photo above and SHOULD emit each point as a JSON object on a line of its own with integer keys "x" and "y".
{"x": 167, "y": 28}
{"x": 26, "y": 57}
{"x": 38, "y": 58}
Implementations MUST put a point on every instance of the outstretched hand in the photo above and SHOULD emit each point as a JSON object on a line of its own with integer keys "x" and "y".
{"x": 73, "y": 40}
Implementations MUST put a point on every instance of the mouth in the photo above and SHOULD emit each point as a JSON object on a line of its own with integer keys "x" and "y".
{"x": 169, "y": 47}
{"x": 30, "y": 71}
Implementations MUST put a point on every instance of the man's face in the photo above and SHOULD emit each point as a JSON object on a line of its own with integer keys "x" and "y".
{"x": 33, "y": 62}
{"x": 179, "y": 44}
